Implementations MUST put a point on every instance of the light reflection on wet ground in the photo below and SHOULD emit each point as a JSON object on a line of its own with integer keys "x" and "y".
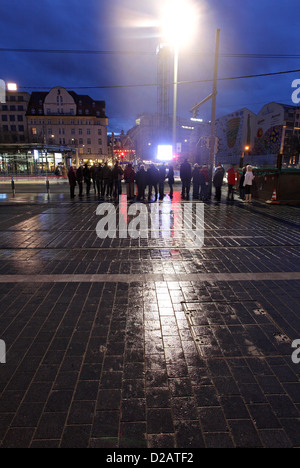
{"x": 107, "y": 358}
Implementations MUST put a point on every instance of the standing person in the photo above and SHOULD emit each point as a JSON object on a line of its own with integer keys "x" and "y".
{"x": 196, "y": 181}
{"x": 249, "y": 176}
{"x": 185, "y": 176}
{"x": 153, "y": 177}
{"x": 87, "y": 178}
{"x": 231, "y": 183}
{"x": 117, "y": 175}
{"x": 218, "y": 182}
{"x": 142, "y": 181}
{"x": 72, "y": 181}
{"x": 161, "y": 181}
{"x": 106, "y": 173}
{"x": 241, "y": 183}
{"x": 99, "y": 179}
{"x": 221, "y": 168}
{"x": 129, "y": 176}
{"x": 79, "y": 178}
{"x": 204, "y": 183}
{"x": 170, "y": 178}
{"x": 93, "y": 176}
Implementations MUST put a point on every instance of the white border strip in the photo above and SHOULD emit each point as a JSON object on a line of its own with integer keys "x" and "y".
{"x": 143, "y": 278}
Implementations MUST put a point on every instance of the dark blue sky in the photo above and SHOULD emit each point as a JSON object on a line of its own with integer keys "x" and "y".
{"x": 265, "y": 27}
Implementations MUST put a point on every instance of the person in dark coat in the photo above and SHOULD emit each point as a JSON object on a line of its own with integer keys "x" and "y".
{"x": 79, "y": 179}
{"x": 117, "y": 175}
{"x": 129, "y": 176}
{"x": 185, "y": 176}
{"x": 72, "y": 181}
{"x": 241, "y": 184}
{"x": 153, "y": 177}
{"x": 106, "y": 172}
{"x": 170, "y": 178}
{"x": 93, "y": 176}
{"x": 218, "y": 182}
{"x": 142, "y": 182}
{"x": 204, "y": 183}
{"x": 87, "y": 178}
{"x": 99, "y": 179}
{"x": 198, "y": 179}
{"x": 161, "y": 181}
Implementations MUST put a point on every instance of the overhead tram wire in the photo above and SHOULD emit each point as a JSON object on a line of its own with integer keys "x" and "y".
{"x": 128, "y": 52}
{"x": 179, "y": 82}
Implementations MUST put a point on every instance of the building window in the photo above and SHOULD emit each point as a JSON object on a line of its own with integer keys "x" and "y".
{"x": 99, "y": 131}
{"x": 80, "y": 131}
{"x": 4, "y": 118}
{"x": 5, "y": 128}
{"x": 99, "y": 141}
{"x": 88, "y": 141}
{"x": 12, "y": 118}
{"x": 89, "y": 151}
{"x": 88, "y": 131}
{"x": 13, "y": 128}
{"x": 12, "y": 108}
{"x": 21, "y": 128}
{"x": 73, "y": 131}
{"x": 20, "y": 108}
{"x": 33, "y": 130}
{"x": 80, "y": 141}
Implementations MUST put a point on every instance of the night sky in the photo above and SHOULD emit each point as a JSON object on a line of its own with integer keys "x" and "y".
{"x": 264, "y": 33}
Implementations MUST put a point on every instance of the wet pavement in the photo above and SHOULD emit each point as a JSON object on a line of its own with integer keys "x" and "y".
{"x": 148, "y": 342}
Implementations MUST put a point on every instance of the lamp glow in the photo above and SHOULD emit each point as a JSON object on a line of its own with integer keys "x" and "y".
{"x": 12, "y": 87}
{"x": 164, "y": 152}
{"x": 178, "y": 23}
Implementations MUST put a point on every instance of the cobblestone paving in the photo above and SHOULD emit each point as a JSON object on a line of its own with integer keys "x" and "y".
{"x": 149, "y": 342}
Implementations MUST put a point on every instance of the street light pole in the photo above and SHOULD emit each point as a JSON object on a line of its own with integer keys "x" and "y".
{"x": 213, "y": 107}
{"x": 175, "y": 97}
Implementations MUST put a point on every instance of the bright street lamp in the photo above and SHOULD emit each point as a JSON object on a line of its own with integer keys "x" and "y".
{"x": 12, "y": 87}
{"x": 178, "y": 24}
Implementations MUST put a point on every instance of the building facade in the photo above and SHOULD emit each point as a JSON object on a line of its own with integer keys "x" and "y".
{"x": 278, "y": 132}
{"x": 65, "y": 118}
{"x": 274, "y": 130}
{"x": 146, "y": 135}
{"x": 235, "y": 132}
{"x": 13, "y": 125}
{"x": 40, "y": 130}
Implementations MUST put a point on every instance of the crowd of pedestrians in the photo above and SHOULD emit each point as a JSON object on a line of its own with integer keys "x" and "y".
{"x": 107, "y": 181}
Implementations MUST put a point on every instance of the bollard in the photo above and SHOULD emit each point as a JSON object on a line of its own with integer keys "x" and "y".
{"x": 47, "y": 186}
{"x": 13, "y": 185}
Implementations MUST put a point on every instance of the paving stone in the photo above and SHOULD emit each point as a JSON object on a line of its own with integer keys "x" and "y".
{"x": 148, "y": 343}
